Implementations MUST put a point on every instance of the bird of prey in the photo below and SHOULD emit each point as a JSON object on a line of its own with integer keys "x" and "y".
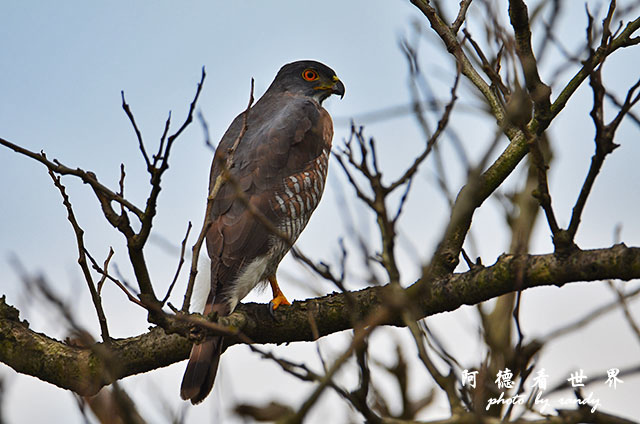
{"x": 275, "y": 181}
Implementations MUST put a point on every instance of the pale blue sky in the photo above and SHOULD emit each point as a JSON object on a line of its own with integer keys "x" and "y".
{"x": 63, "y": 67}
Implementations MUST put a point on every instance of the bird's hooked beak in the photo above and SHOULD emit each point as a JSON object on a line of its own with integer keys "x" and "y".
{"x": 337, "y": 87}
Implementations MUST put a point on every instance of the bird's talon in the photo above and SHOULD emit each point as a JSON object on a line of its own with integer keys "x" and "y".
{"x": 276, "y": 302}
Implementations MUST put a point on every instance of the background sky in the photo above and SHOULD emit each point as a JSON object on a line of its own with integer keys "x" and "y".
{"x": 64, "y": 65}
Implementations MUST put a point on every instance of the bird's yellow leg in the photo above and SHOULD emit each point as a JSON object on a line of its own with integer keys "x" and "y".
{"x": 278, "y": 296}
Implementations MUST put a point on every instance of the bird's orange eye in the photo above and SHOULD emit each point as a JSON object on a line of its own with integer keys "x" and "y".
{"x": 310, "y": 75}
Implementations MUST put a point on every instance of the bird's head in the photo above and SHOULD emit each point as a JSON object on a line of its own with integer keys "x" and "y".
{"x": 309, "y": 78}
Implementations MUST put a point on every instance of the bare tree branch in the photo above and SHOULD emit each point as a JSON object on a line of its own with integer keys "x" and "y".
{"x": 87, "y": 177}
{"x": 68, "y": 366}
{"x": 82, "y": 258}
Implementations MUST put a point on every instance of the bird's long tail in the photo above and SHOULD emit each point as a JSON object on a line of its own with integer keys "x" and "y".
{"x": 201, "y": 370}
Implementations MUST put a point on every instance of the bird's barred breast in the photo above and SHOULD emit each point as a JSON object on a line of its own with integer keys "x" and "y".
{"x": 295, "y": 201}
{"x": 300, "y": 194}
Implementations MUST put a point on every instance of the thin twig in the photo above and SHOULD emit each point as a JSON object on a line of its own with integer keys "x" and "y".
{"x": 589, "y": 317}
{"x": 121, "y": 185}
{"x": 105, "y": 267}
{"x": 163, "y": 139}
{"x": 361, "y": 332}
{"x": 87, "y": 177}
{"x": 489, "y": 70}
{"x": 82, "y": 258}
{"x": 462, "y": 14}
{"x": 180, "y": 263}
{"x": 157, "y": 171}
{"x": 604, "y": 144}
{"x": 205, "y": 131}
{"x": 127, "y": 110}
{"x": 622, "y": 301}
{"x": 448, "y": 382}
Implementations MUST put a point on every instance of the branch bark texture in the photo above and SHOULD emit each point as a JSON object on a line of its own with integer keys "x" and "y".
{"x": 85, "y": 370}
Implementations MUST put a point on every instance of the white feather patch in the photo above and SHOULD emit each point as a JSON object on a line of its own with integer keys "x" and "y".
{"x": 202, "y": 285}
{"x": 251, "y": 276}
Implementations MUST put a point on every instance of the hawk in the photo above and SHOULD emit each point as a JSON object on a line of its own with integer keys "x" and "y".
{"x": 275, "y": 181}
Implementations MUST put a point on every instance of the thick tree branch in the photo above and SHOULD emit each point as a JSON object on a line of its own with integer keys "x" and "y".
{"x": 85, "y": 370}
